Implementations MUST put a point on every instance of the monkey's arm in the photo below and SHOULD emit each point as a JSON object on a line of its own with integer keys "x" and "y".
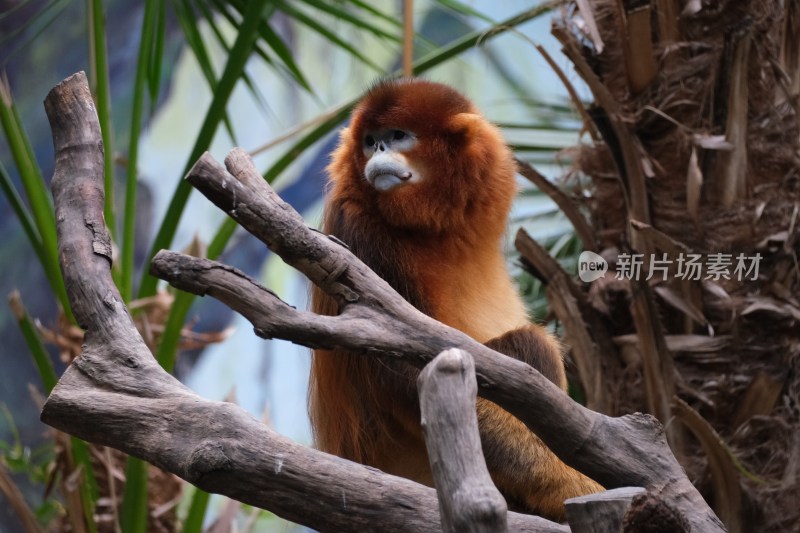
{"x": 528, "y": 474}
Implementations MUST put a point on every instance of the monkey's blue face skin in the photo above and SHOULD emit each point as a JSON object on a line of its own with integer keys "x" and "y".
{"x": 387, "y": 167}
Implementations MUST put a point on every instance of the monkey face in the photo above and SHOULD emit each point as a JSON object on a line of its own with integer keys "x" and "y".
{"x": 386, "y": 166}
{"x": 419, "y": 157}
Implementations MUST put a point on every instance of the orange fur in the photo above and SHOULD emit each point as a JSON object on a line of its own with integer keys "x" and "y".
{"x": 438, "y": 243}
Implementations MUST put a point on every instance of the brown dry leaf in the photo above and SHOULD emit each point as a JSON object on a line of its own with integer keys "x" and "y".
{"x": 771, "y": 306}
{"x": 759, "y": 211}
{"x": 732, "y": 176}
{"x": 564, "y": 202}
{"x": 585, "y": 9}
{"x": 715, "y": 289}
{"x": 692, "y": 7}
{"x": 67, "y": 338}
{"x": 68, "y": 485}
{"x": 792, "y": 235}
{"x": 197, "y": 247}
{"x": 790, "y": 47}
{"x": 588, "y": 124}
{"x": 666, "y": 12}
{"x": 712, "y": 142}
{"x": 724, "y": 475}
{"x": 697, "y": 343}
{"x": 226, "y": 518}
{"x": 661, "y": 240}
{"x": 639, "y": 56}
{"x": 771, "y": 240}
{"x": 584, "y": 349}
{"x": 760, "y": 398}
{"x": 682, "y": 343}
{"x": 192, "y": 340}
{"x": 694, "y": 185}
{"x": 678, "y": 302}
{"x": 657, "y": 360}
{"x": 17, "y": 501}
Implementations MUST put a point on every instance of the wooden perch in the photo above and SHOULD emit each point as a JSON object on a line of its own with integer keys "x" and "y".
{"x": 468, "y": 500}
{"x": 601, "y": 513}
{"x": 115, "y": 394}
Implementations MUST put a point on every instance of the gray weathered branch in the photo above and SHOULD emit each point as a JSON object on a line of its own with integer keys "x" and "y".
{"x": 116, "y": 394}
{"x": 375, "y": 320}
{"x": 468, "y": 500}
{"x": 601, "y": 513}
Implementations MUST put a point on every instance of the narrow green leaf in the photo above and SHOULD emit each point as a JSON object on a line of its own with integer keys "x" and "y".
{"x": 221, "y": 238}
{"x": 391, "y": 19}
{"x": 274, "y": 41}
{"x": 463, "y": 9}
{"x": 10, "y": 11}
{"x": 187, "y": 19}
{"x": 35, "y": 188}
{"x": 29, "y": 173}
{"x": 242, "y": 48}
{"x": 528, "y": 148}
{"x": 230, "y": 15}
{"x": 41, "y": 358}
{"x": 99, "y": 77}
{"x": 169, "y": 342}
{"x": 482, "y": 36}
{"x": 25, "y": 219}
{"x": 149, "y": 23}
{"x": 309, "y": 139}
{"x": 197, "y": 512}
{"x": 157, "y": 54}
{"x": 423, "y": 64}
{"x": 35, "y": 27}
{"x": 133, "y": 516}
{"x": 341, "y": 13}
{"x": 167, "y": 351}
{"x": 331, "y": 36}
{"x": 88, "y": 488}
{"x": 284, "y": 53}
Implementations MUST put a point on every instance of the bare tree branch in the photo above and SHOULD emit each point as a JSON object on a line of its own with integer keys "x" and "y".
{"x": 115, "y": 393}
{"x": 616, "y": 452}
{"x": 468, "y": 499}
{"x": 603, "y": 512}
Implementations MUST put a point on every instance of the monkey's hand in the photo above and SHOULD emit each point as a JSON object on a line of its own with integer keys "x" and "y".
{"x": 530, "y": 476}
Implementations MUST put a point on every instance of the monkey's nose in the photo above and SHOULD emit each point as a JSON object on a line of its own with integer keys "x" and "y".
{"x": 381, "y": 146}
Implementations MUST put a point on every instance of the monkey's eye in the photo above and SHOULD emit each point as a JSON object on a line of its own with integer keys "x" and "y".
{"x": 369, "y": 140}
{"x": 399, "y": 135}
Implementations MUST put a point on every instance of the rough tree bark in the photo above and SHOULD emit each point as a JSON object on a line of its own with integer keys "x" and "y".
{"x": 693, "y": 164}
{"x": 115, "y": 393}
{"x": 468, "y": 500}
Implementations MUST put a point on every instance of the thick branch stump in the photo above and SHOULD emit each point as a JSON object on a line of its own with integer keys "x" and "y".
{"x": 468, "y": 499}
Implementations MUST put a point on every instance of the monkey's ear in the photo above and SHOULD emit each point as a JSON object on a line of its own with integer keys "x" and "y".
{"x": 465, "y": 124}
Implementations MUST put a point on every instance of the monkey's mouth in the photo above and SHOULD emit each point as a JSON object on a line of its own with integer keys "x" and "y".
{"x": 384, "y": 182}
{"x": 385, "y": 177}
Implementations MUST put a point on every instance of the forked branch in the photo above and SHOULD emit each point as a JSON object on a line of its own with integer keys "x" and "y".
{"x": 115, "y": 394}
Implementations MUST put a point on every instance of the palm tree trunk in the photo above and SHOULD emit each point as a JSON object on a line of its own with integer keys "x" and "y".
{"x": 696, "y": 112}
